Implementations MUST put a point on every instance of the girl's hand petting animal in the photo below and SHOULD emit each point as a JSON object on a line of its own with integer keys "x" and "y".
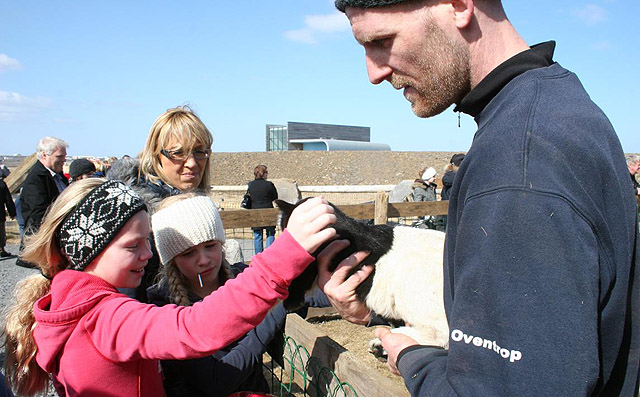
{"x": 308, "y": 223}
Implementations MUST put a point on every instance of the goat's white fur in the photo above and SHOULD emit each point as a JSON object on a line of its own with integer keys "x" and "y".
{"x": 408, "y": 284}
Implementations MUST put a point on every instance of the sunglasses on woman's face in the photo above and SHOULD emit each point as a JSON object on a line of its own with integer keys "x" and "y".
{"x": 179, "y": 155}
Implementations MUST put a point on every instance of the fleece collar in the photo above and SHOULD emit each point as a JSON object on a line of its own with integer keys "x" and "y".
{"x": 538, "y": 56}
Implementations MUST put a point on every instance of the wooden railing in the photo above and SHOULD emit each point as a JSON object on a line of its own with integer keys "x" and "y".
{"x": 380, "y": 211}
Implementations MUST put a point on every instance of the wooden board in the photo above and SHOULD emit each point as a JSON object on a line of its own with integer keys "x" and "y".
{"x": 15, "y": 180}
{"x": 365, "y": 380}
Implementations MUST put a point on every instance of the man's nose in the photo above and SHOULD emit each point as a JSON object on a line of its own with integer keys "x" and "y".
{"x": 378, "y": 71}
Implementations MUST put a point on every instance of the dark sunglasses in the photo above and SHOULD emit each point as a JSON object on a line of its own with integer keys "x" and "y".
{"x": 179, "y": 155}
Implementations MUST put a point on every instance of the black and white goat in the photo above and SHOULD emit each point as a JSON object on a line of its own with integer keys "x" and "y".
{"x": 407, "y": 281}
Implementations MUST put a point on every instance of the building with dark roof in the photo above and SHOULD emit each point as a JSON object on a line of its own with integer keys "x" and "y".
{"x": 323, "y": 137}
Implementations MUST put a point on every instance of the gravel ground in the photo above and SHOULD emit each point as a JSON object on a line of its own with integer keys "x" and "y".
{"x": 10, "y": 274}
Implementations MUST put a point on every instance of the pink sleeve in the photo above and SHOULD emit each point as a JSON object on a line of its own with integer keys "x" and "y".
{"x": 123, "y": 329}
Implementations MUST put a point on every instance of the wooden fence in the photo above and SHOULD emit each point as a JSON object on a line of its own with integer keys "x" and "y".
{"x": 380, "y": 211}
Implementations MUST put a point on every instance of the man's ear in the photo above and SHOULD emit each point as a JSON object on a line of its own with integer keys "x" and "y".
{"x": 463, "y": 12}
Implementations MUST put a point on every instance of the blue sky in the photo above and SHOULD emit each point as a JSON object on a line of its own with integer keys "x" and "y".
{"x": 98, "y": 73}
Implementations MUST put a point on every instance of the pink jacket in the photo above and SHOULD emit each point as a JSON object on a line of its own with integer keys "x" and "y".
{"x": 97, "y": 341}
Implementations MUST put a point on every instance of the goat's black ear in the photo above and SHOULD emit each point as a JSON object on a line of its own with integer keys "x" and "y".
{"x": 285, "y": 212}
{"x": 285, "y": 207}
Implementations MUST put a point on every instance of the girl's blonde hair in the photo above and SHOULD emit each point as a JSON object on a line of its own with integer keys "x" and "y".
{"x": 21, "y": 370}
{"x": 176, "y": 281}
{"x": 179, "y": 124}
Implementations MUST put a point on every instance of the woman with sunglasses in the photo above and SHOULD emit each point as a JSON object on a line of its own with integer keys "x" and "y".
{"x": 174, "y": 160}
{"x": 176, "y": 155}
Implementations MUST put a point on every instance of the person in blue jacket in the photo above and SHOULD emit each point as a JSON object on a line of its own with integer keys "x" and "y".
{"x": 540, "y": 263}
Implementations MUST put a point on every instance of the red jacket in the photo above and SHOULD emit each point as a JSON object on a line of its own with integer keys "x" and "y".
{"x": 97, "y": 341}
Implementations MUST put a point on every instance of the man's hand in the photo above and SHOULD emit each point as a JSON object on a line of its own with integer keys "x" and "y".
{"x": 339, "y": 287}
{"x": 393, "y": 344}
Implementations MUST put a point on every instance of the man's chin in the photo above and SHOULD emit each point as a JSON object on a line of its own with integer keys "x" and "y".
{"x": 426, "y": 111}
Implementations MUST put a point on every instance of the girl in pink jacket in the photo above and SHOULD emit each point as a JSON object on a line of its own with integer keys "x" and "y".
{"x": 71, "y": 322}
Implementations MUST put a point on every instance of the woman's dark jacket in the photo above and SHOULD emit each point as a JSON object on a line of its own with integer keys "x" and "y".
{"x": 262, "y": 193}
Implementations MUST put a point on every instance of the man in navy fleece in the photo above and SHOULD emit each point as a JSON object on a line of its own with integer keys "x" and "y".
{"x": 541, "y": 286}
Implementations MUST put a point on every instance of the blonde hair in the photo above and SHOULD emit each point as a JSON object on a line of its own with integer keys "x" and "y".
{"x": 21, "y": 369}
{"x": 182, "y": 125}
{"x": 169, "y": 273}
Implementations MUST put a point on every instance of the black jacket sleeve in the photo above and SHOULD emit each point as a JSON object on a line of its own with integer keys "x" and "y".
{"x": 7, "y": 201}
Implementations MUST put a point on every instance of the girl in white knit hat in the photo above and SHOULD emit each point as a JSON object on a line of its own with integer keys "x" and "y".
{"x": 189, "y": 236}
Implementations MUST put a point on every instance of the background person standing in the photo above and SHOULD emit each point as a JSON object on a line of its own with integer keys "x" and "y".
{"x": 42, "y": 186}
{"x": 262, "y": 193}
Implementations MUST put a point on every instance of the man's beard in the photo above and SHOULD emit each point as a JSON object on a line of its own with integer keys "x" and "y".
{"x": 444, "y": 73}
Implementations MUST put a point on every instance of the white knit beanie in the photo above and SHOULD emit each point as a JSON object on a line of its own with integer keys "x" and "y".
{"x": 185, "y": 224}
{"x": 429, "y": 173}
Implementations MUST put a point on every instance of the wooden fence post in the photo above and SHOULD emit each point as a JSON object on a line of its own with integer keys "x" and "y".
{"x": 382, "y": 208}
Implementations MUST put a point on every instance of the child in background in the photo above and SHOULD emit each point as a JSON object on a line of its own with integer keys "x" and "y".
{"x": 71, "y": 322}
{"x": 189, "y": 236}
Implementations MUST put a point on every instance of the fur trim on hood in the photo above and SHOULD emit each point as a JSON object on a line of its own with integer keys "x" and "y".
{"x": 127, "y": 170}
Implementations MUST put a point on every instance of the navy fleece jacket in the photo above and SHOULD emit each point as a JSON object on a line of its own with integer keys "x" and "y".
{"x": 541, "y": 285}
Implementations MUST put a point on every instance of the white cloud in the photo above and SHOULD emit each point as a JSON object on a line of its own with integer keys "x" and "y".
{"x": 14, "y": 106}
{"x": 330, "y": 23}
{"x": 301, "y": 36}
{"x": 603, "y": 45}
{"x": 7, "y": 63}
{"x": 316, "y": 25}
{"x": 591, "y": 14}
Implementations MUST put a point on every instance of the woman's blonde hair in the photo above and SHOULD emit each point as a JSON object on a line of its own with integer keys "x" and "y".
{"x": 21, "y": 370}
{"x": 183, "y": 126}
{"x": 176, "y": 281}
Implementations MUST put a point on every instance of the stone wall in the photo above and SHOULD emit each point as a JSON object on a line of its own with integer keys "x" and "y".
{"x": 327, "y": 168}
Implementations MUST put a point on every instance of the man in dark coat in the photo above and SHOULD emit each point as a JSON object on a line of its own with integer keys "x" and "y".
{"x": 43, "y": 184}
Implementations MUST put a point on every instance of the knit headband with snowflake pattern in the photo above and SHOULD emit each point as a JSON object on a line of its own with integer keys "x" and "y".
{"x": 96, "y": 220}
